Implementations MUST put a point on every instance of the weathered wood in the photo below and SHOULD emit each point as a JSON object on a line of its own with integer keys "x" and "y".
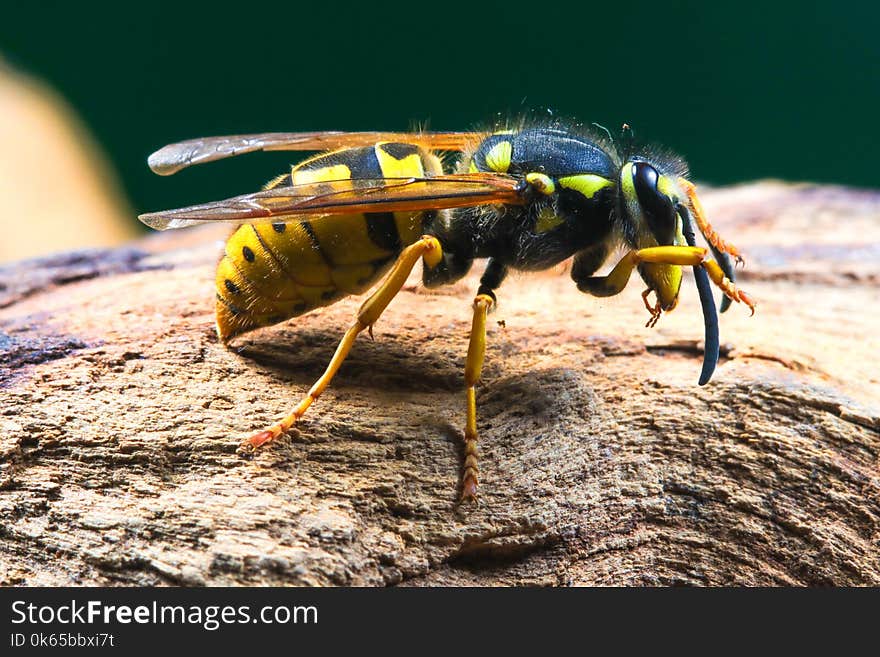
{"x": 602, "y": 461}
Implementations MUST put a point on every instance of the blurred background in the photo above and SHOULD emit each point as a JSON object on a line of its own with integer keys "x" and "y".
{"x": 744, "y": 91}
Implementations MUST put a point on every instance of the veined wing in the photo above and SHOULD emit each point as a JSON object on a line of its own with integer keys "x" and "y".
{"x": 174, "y": 157}
{"x": 283, "y": 204}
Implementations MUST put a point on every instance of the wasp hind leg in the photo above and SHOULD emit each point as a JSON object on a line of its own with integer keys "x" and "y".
{"x": 485, "y": 299}
{"x": 427, "y": 248}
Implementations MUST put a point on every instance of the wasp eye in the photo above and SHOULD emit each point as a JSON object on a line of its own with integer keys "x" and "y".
{"x": 656, "y": 206}
{"x": 644, "y": 178}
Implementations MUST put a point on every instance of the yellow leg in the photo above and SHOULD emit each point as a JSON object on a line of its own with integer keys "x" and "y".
{"x": 428, "y": 248}
{"x": 705, "y": 227}
{"x": 472, "y": 370}
{"x": 614, "y": 282}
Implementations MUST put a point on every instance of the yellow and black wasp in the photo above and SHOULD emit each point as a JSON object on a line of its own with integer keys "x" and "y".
{"x": 523, "y": 199}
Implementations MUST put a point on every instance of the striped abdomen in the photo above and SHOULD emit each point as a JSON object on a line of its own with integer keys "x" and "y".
{"x": 271, "y": 272}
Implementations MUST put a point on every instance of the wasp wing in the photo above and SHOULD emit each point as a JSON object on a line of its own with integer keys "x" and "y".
{"x": 283, "y": 204}
{"x": 174, "y": 157}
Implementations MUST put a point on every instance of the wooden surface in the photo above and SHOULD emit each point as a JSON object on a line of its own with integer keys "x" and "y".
{"x": 602, "y": 461}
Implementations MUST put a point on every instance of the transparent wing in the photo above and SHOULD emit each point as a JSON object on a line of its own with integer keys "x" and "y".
{"x": 284, "y": 204}
{"x": 174, "y": 157}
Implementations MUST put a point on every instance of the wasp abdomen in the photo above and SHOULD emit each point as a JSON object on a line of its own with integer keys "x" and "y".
{"x": 272, "y": 272}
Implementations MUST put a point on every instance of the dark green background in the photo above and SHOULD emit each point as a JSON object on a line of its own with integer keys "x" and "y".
{"x": 743, "y": 90}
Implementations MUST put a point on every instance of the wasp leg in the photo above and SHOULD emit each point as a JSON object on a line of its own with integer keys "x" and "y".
{"x": 427, "y": 248}
{"x": 731, "y": 291}
{"x": 485, "y": 299}
{"x": 718, "y": 244}
{"x": 655, "y": 310}
{"x": 472, "y": 370}
{"x": 614, "y": 282}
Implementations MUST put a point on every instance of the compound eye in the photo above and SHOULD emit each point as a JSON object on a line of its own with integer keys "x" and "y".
{"x": 656, "y": 206}
{"x": 645, "y": 179}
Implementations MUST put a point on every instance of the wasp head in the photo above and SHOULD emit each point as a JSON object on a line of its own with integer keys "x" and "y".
{"x": 647, "y": 206}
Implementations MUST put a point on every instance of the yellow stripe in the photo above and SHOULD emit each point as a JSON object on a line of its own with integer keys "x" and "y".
{"x": 334, "y": 172}
{"x": 498, "y": 157}
{"x": 586, "y": 184}
{"x": 293, "y": 247}
{"x": 409, "y": 224}
{"x": 343, "y": 239}
{"x": 406, "y": 167}
{"x": 667, "y": 186}
{"x": 547, "y": 220}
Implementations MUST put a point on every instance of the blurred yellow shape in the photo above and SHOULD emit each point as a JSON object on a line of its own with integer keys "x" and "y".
{"x": 57, "y": 192}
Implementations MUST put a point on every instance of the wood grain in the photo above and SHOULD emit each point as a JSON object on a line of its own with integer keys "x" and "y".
{"x": 602, "y": 460}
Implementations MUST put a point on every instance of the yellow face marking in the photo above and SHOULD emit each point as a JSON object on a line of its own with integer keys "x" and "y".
{"x": 472, "y": 168}
{"x": 586, "y": 184}
{"x": 667, "y": 186}
{"x": 498, "y": 157}
{"x": 547, "y": 220}
{"x": 627, "y": 185}
{"x": 542, "y": 183}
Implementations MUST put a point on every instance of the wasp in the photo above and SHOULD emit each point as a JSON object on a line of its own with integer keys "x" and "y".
{"x": 374, "y": 204}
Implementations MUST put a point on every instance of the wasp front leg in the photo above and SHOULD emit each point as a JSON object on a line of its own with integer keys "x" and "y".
{"x": 616, "y": 280}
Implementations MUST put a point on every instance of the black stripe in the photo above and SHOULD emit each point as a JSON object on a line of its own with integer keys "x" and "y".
{"x": 316, "y": 245}
{"x": 363, "y": 163}
{"x": 399, "y": 151}
{"x": 265, "y": 246}
{"x": 382, "y": 231}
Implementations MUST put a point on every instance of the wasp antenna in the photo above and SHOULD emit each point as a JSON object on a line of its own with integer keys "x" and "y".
{"x": 712, "y": 343}
{"x": 605, "y": 130}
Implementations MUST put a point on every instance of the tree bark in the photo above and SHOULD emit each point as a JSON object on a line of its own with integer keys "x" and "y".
{"x": 602, "y": 461}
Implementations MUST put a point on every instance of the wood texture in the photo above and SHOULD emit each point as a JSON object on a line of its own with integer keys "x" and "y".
{"x": 602, "y": 460}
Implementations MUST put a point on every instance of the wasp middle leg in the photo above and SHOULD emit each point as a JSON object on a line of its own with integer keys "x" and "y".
{"x": 483, "y": 302}
{"x": 427, "y": 248}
